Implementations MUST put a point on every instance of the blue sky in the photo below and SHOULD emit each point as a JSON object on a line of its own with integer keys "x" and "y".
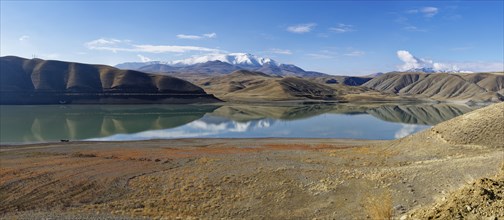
{"x": 353, "y": 38}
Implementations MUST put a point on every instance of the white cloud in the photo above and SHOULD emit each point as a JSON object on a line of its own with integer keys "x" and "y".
{"x": 481, "y": 66}
{"x": 210, "y": 35}
{"x": 426, "y": 11}
{"x": 24, "y": 38}
{"x": 115, "y": 45}
{"x": 144, "y": 58}
{"x": 355, "y": 53}
{"x": 405, "y": 130}
{"x": 301, "y": 28}
{"x": 429, "y": 11}
{"x": 196, "y": 37}
{"x": 280, "y": 51}
{"x": 412, "y": 62}
{"x": 342, "y": 28}
{"x": 104, "y": 42}
{"x": 189, "y": 37}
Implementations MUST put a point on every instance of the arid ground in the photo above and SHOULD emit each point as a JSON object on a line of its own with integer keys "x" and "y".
{"x": 452, "y": 170}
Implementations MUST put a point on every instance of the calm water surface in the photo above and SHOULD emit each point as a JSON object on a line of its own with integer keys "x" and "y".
{"x": 49, "y": 123}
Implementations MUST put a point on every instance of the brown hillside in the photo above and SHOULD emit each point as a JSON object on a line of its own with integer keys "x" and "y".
{"x": 24, "y": 75}
{"x": 250, "y": 86}
{"x": 482, "y": 127}
{"x": 246, "y": 85}
{"x": 442, "y": 86}
{"x": 394, "y": 82}
{"x": 489, "y": 81}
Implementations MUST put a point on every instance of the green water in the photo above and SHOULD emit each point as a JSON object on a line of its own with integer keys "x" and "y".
{"x": 49, "y": 123}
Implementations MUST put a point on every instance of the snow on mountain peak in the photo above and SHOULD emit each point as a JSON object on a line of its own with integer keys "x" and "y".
{"x": 240, "y": 59}
{"x": 415, "y": 64}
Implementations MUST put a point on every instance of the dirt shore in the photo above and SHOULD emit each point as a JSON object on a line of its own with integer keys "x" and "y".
{"x": 254, "y": 178}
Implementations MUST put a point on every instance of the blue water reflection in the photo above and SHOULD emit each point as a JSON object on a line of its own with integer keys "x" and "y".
{"x": 30, "y": 124}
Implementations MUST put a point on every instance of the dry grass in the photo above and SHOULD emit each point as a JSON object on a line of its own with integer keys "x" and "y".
{"x": 379, "y": 206}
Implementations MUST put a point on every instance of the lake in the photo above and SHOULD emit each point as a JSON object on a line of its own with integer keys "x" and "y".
{"x": 52, "y": 123}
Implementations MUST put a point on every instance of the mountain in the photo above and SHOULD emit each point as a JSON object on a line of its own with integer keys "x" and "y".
{"x": 433, "y": 70}
{"x": 342, "y": 80}
{"x": 244, "y": 85}
{"x": 250, "y": 86}
{"x": 238, "y": 59}
{"x": 215, "y": 64}
{"x": 28, "y": 81}
{"x": 442, "y": 86}
{"x": 207, "y": 68}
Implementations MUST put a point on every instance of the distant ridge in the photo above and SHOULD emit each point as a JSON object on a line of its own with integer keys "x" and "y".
{"x": 433, "y": 70}
{"x": 254, "y": 86}
{"x": 66, "y": 81}
{"x": 220, "y": 64}
{"x": 487, "y": 87}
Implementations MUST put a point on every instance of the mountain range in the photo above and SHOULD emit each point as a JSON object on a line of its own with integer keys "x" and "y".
{"x": 213, "y": 64}
{"x": 253, "y": 86}
{"x": 28, "y": 81}
{"x": 434, "y": 70}
{"x": 220, "y": 64}
{"x": 441, "y": 86}
{"x": 37, "y": 81}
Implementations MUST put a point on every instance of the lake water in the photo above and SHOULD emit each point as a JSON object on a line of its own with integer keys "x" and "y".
{"x": 50, "y": 123}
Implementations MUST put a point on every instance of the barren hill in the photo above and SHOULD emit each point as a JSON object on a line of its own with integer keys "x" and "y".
{"x": 48, "y": 79}
{"x": 482, "y": 127}
{"x": 252, "y": 86}
{"x": 442, "y": 86}
{"x": 479, "y": 129}
{"x": 246, "y": 85}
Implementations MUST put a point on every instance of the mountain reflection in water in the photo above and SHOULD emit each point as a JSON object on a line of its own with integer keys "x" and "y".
{"x": 45, "y": 123}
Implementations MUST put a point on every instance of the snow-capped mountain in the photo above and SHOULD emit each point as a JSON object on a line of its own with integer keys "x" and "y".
{"x": 434, "y": 70}
{"x": 239, "y": 59}
{"x": 219, "y": 64}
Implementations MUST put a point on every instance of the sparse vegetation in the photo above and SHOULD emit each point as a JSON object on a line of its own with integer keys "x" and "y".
{"x": 379, "y": 206}
{"x": 79, "y": 154}
{"x": 256, "y": 178}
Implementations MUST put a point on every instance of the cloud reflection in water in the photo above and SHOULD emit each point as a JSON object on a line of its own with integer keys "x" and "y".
{"x": 206, "y": 126}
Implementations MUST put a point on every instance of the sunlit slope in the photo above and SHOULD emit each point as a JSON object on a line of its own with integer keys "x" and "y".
{"x": 442, "y": 86}
{"x": 19, "y": 74}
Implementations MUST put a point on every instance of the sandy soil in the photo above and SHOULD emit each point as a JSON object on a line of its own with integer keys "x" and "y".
{"x": 254, "y": 178}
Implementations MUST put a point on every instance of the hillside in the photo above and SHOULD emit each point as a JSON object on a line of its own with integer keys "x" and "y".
{"x": 246, "y": 85}
{"x": 479, "y": 197}
{"x": 484, "y": 126}
{"x": 341, "y": 80}
{"x": 442, "y": 86}
{"x": 35, "y": 80}
{"x": 250, "y": 86}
